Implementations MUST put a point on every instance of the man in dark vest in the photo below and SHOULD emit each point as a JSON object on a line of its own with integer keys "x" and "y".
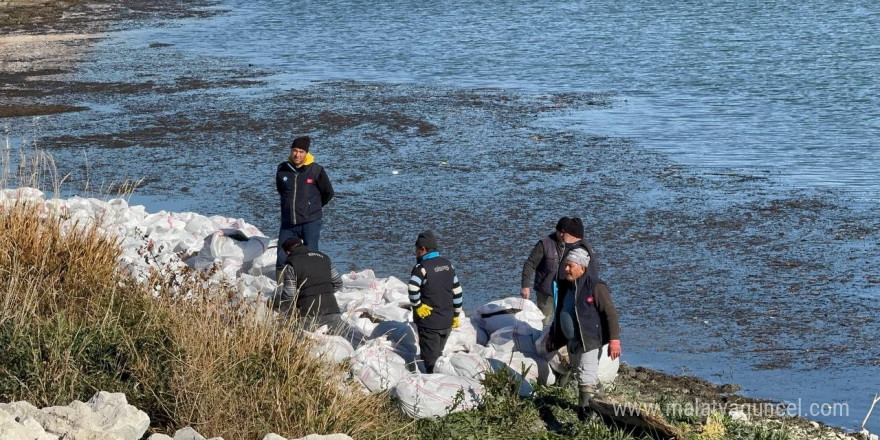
{"x": 309, "y": 282}
{"x": 435, "y": 295}
{"x": 585, "y": 319}
{"x": 544, "y": 265}
{"x": 303, "y": 188}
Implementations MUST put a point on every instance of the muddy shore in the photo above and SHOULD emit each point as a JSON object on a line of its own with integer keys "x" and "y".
{"x": 734, "y": 218}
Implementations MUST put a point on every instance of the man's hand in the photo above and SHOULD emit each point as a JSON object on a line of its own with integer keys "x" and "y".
{"x": 525, "y": 292}
{"x": 614, "y": 349}
{"x": 424, "y": 310}
{"x": 455, "y": 322}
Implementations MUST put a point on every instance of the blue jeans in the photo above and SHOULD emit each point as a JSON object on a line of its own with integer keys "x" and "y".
{"x": 309, "y": 233}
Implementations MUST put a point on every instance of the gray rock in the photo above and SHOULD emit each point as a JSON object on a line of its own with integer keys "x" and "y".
{"x": 273, "y": 436}
{"x": 188, "y": 434}
{"x": 20, "y": 409}
{"x": 113, "y": 414}
{"x": 159, "y": 437}
{"x": 61, "y": 420}
{"x": 29, "y": 429}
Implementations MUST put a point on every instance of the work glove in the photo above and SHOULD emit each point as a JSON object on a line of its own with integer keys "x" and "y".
{"x": 455, "y": 322}
{"x": 614, "y": 349}
{"x": 424, "y": 311}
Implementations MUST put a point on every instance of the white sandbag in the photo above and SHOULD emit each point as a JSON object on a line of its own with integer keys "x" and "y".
{"x": 334, "y": 348}
{"x": 361, "y": 325}
{"x": 432, "y": 395}
{"x": 220, "y": 248}
{"x": 507, "y": 312}
{"x": 161, "y": 222}
{"x": 265, "y": 263}
{"x": 29, "y": 194}
{"x": 246, "y": 228}
{"x": 364, "y": 279}
{"x": 553, "y": 358}
{"x": 462, "y": 337}
{"x": 377, "y": 366}
{"x": 396, "y": 291}
{"x": 480, "y": 350}
{"x": 402, "y": 336}
{"x": 607, "y": 368}
{"x": 388, "y": 312}
{"x": 526, "y": 368}
{"x": 518, "y": 337}
{"x": 462, "y": 364}
{"x": 253, "y": 286}
{"x": 351, "y": 299}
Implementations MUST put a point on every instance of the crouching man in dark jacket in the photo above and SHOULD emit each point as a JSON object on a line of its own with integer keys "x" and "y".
{"x": 309, "y": 283}
{"x": 585, "y": 319}
{"x": 435, "y": 295}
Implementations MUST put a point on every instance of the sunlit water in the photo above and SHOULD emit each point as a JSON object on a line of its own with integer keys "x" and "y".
{"x": 728, "y": 176}
{"x": 789, "y": 87}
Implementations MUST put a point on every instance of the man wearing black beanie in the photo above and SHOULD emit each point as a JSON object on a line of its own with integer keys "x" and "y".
{"x": 542, "y": 267}
{"x": 303, "y": 189}
{"x": 435, "y": 295}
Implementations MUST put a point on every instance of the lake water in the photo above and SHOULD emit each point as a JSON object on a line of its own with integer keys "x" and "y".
{"x": 723, "y": 155}
{"x": 790, "y": 87}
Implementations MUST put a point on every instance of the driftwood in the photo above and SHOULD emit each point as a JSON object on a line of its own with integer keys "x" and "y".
{"x": 616, "y": 411}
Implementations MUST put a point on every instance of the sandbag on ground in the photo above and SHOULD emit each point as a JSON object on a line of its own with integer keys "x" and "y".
{"x": 432, "y": 395}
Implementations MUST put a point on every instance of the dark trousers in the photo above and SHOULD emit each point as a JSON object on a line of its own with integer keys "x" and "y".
{"x": 309, "y": 232}
{"x": 431, "y": 343}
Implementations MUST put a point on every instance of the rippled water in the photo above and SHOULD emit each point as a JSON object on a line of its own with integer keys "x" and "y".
{"x": 788, "y": 87}
{"x": 722, "y": 154}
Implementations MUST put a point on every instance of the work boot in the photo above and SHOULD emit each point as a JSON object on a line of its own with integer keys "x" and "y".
{"x": 585, "y": 395}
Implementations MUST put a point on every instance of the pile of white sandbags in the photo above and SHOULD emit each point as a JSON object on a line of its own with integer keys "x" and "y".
{"x": 502, "y": 334}
{"x": 230, "y": 250}
{"x": 383, "y": 349}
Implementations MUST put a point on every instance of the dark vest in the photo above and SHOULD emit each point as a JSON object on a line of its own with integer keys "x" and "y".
{"x": 546, "y": 271}
{"x": 312, "y": 269}
{"x": 589, "y": 321}
{"x": 437, "y": 293}
{"x": 300, "y": 197}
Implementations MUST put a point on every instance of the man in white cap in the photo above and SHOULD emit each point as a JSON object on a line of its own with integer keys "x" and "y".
{"x": 584, "y": 320}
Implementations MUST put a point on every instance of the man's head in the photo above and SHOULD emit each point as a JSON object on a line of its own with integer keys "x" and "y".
{"x": 572, "y": 230}
{"x": 291, "y": 243}
{"x": 299, "y": 149}
{"x": 426, "y": 242}
{"x": 560, "y": 227}
{"x": 576, "y": 263}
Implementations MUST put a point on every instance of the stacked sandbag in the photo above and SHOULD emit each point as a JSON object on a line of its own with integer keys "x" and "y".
{"x": 436, "y": 395}
{"x": 163, "y": 243}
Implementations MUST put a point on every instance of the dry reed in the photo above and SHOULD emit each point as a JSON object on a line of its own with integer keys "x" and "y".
{"x": 71, "y": 325}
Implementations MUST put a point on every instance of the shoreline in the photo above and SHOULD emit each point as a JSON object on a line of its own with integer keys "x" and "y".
{"x": 54, "y": 51}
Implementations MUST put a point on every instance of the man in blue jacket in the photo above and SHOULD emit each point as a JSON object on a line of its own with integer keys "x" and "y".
{"x": 303, "y": 189}
{"x": 435, "y": 295}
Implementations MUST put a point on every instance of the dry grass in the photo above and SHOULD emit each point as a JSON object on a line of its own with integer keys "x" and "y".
{"x": 71, "y": 325}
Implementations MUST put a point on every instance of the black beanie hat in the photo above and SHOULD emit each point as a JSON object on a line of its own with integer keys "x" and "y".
{"x": 302, "y": 142}
{"x": 575, "y": 227}
{"x": 560, "y": 225}
{"x": 427, "y": 240}
{"x": 291, "y": 243}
